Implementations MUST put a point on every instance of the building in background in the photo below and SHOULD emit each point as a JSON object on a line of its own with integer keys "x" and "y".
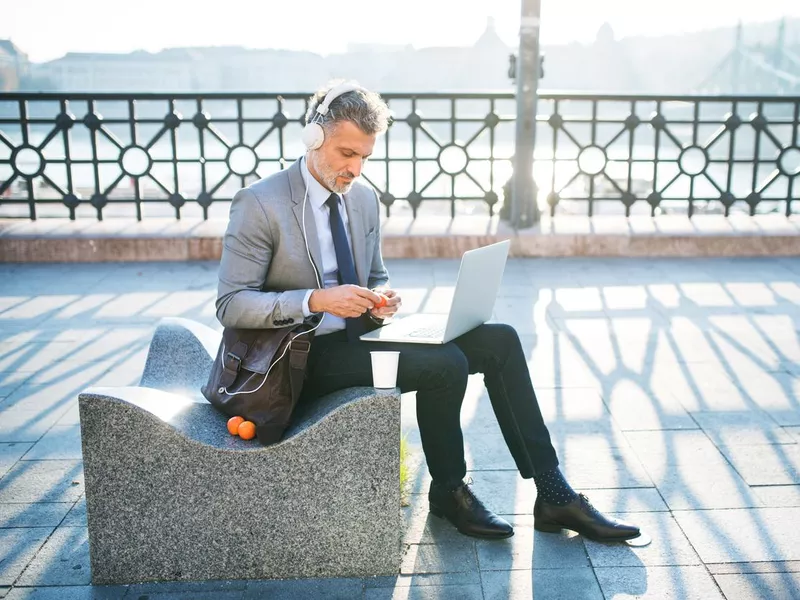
{"x": 136, "y": 72}
{"x": 675, "y": 64}
{"x": 14, "y": 66}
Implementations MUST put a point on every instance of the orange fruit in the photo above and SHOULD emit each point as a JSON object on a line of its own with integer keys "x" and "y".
{"x": 382, "y": 302}
{"x": 233, "y": 425}
{"x": 247, "y": 430}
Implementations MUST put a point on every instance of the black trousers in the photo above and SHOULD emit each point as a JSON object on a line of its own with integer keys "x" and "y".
{"x": 438, "y": 373}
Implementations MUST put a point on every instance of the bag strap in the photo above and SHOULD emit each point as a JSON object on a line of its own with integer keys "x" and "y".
{"x": 298, "y": 358}
{"x": 232, "y": 363}
{"x": 298, "y": 353}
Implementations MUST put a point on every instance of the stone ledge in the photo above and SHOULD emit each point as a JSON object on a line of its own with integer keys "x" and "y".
{"x": 162, "y": 239}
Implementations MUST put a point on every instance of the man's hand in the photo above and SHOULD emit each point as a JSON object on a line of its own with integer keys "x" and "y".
{"x": 393, "y": 302}
{"x": 346, "y": 301}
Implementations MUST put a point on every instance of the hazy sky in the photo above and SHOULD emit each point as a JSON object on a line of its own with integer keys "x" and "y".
{"x": 47, "y": 29}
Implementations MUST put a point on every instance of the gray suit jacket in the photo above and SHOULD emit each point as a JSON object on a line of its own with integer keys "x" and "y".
{"x": 265, "y": 273}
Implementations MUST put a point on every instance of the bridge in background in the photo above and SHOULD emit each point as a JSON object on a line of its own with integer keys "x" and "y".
{"x": 766, "y": 69}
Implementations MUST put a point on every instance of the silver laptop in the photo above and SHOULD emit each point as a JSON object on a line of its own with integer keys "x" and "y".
{"x": 473, "y": 301}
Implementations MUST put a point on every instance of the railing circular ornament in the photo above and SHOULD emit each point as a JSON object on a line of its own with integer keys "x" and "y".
{"x": 414, "y": 199}
{"x": 71, "y": 201}
{"x": 242, "y": 160}
{"x": 99, "y": 201}
{"x": 693, "y": 160}
{"x": 414, "y": 120}
{"x": 173, "y": 120}
{"x": 65, "y": 120}
{"x": 758, "y": 121}
{"x": 280, "y": 120}
{"x": 453, "y": 159}
{"x": 27, "y": 161}
{"x": 592, "y": 160}
{"x": 632, "y": 122}
{"x": 727, "y": 199}
{"x": 732, "y": 122}
{"x": 135, "y": 161}
{"x": 789, "y": 161}
{"x": 93, "y": 120}
{"x": 204, "y": 199}
{"x": 201, "y": 120}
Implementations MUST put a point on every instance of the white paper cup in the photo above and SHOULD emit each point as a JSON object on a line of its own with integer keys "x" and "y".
{"x": 384, "y": 369}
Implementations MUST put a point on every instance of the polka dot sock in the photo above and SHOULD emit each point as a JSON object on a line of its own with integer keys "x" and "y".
{"x": 551, "y": 487}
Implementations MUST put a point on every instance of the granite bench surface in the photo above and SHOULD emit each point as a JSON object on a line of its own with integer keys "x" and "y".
{"x": 198, "y": 421}
{"x": 171, "y": 495}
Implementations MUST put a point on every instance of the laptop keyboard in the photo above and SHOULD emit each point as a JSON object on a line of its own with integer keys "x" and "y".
{"x": 427, "y": 332}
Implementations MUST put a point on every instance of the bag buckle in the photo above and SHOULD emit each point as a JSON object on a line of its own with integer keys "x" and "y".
{"x": 301, "y": 346}
{"x": 238, "y": 360}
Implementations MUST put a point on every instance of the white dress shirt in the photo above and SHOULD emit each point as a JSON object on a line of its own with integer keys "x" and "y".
{"x": 317, "y": 197}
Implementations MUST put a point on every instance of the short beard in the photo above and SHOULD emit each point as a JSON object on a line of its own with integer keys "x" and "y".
{"x": 328, "y": 176}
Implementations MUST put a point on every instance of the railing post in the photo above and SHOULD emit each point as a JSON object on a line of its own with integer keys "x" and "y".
{"x": 524, "y": 206}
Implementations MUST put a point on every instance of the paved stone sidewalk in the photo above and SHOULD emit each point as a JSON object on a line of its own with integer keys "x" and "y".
{"x": 670, "y": 388}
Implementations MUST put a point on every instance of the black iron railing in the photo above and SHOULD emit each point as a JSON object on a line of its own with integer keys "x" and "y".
{"x": 96, "y": 155}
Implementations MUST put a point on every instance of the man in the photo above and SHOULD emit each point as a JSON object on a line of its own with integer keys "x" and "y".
{"x": 304, "y": 245}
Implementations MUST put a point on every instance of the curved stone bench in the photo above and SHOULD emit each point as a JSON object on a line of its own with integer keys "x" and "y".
{"x": 171, "y": 495}
{"x": 180, "y": 356}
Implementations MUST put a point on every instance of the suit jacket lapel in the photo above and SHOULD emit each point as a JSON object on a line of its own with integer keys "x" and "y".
{"x": 298, "y": 189}
{"x": 357, "y": 236}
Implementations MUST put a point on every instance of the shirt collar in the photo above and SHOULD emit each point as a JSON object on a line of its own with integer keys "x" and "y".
{"x": 318, "y": 194}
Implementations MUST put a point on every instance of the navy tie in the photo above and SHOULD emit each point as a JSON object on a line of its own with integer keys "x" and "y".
{"x": 347, "y": 270}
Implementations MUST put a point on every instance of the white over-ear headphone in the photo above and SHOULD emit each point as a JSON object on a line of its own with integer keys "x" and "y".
{"x": 313, "y": 134}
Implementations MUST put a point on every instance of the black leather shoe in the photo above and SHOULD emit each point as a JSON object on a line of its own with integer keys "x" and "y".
{"x": 580, "y": 516}
{"x": 462, "y": 508}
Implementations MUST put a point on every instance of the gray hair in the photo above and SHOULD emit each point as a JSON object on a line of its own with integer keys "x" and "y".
{"x": 366, "y": 110}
